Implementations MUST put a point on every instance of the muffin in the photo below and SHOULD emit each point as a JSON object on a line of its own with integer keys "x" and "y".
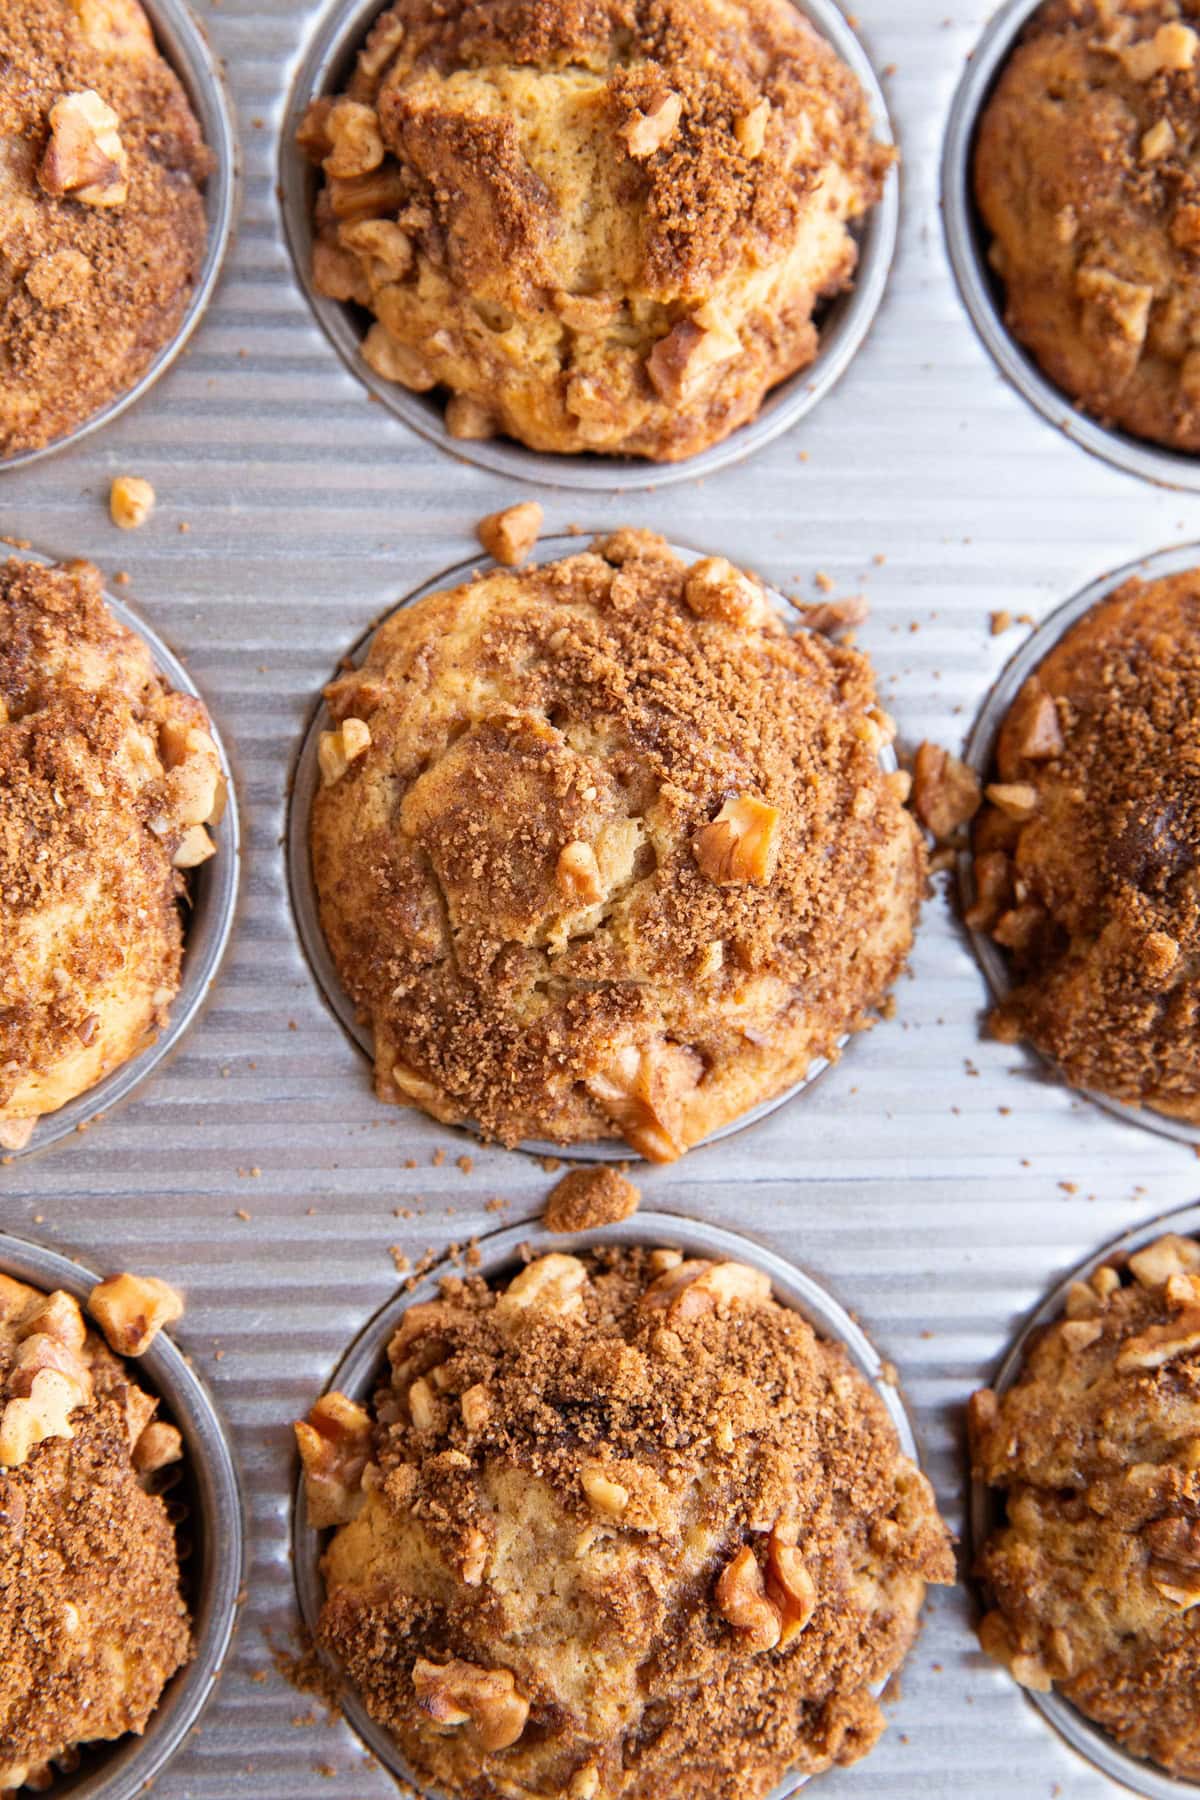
{"x": 1087, "y": 854}
{"x": 107, "y": 779}
{"x": 92, "y": 1619}
{"x": 1092, "y": 1577}
{"x": 623, "y": 1529}
{"x": 102, "y": 225}
{"x": 1086, "y": 179}
{"x": 601, "y": 851}
{"x": 608, "y": 227}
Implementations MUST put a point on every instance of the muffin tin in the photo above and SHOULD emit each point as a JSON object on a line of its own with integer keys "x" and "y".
{"x": 932, "y": 1179}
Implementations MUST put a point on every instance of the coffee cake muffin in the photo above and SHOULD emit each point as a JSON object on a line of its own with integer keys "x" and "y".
{"x": 601, "y": 851}
{"x": 1087, "y": 180}
{"x": 621, "y": 1529}
{"x": 107, "y": 780}
{"x": 605, "y": 227}
{"x": 92, "y": 1619}
{"x": 102, "y": 226}
{"x": 1087, "y": 853}
{"x": 1093, "y": 1579}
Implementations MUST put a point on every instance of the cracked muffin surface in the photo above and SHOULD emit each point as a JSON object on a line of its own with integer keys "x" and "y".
{"x": 1087, "y": 855}
{"x": 622, "y": 1528}
{"x": 92, "y": 1618}
{"x": 1086, "y": 177}
{"x": 107, "y": 779}
{"x": 102, "y": 224}
{"x": 602, "y": 225}
{"x": 601, "y": 851}
{"x": 1093, "y": 1577}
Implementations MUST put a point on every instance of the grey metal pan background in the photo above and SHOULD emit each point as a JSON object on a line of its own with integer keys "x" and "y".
{"x": 922, "y": 1180}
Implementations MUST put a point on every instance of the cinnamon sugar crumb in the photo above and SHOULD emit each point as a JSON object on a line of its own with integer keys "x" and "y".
{"x": 587, "y": 1198}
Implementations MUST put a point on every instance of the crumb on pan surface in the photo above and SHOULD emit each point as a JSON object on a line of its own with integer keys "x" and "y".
{"x": 1086, "y": 177}
{"x": 107, "y": 780}
{"x": 602, "y": 852}
{"x": 1088, "y": 847}
{"x": 622, "y": 1528}
{"x": 587, "y": 1198}
{"x": 92, "y": 1619}
{"x": 1092, "y": 1579}
{"x": 102, "y": 225}
{"x": 600, "y": 226}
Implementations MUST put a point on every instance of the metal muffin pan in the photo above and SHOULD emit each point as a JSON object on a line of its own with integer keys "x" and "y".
{"x": 983, "y": 292}
{"x": 208, "y": 916}
{"x": 306, "y": 783}
{"x": 981, "y": 747}
{"x": 988, "y": 1512}
{"x": 185, "y": 46}
{"x": 325, "y": 68}
{"x": 358, "y": 1374}
{"x": 212, "y": 1567}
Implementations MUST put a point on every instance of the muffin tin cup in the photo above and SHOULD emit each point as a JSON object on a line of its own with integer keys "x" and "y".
{"x": 979, "y": 755}
{"x": 213, "y": 1572}
{"x": 982, "y": 291}
{"x": 207, "y": 920}
{"x": 185, "y": 47}
{"x": 986, "y": 1511}
{"x": 358, "y": 1373}
{"x": 302, "y": 887}
{"x": 326, "y": 66}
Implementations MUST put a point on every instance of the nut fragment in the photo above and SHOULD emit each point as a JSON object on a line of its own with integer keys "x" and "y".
{"x": 1158, "y": 142}
{"x": 789, "y": 1585}
{"x": 588, "y": 1198}
{"x": 1166, "y": 1256}
{"x": 356, "y": 146}
{"x": 1172, "y": 48}
{"x": 742, "y": 1601}
{"x": 578, "y": 875}
{"x": 689, "y": 354}
{"x": 85, "y": 159}
{"x": 741, "y": 844}
{"x": 552, "y": 1287}
{"x": 476, "y": 1407}
{"x": 55, "y": 1315}
{"x": 194, "y": 847}
{"x": 1160, "y": 1344}
{"x": 715, "y": 589}
{"x": 510, "y": 535}
{"x": 131, "y": 1310}
{"x": 45, "y": 1412}
{"x": 647, "y": 131}
{"x": 335, "y": 1446}
{"x": 695, "y": 1288}
{"x": 457, "y": 1693}
{"x": 336, "y": 750}
{"x": 157, "y": 1447}
{"x": 946, "y": 793}
{"x": 606, "y": 1495}
{"x": 643, "y": 1091}
{"x": 130, "y": 501}
{"x": 750, "y": 129}
{"x": 1017, "y": 800}
{"x": 1039, "y": 735}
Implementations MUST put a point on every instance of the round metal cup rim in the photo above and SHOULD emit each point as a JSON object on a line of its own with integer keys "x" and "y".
{"x": 183, "y": 44}
{"x": 979, "y": 753}
{"x": 325, "y": 61}
{"x": 979, "y": 289}
{"x": 985, "y": 1509}
{"x": 122, "y": 1770}
{"x": 303, "y": 895}
{"x": 356, "y": 1372}
{"x": 207, "y": 918}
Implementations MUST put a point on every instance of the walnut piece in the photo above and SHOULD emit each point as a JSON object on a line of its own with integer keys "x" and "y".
{"x": 604, "y": 1494}
{"x": 694, "y": 1288}
{"x": 578, "y": 875}
{"x": 750, "y": 129}
{"x": 743, "y": 1602}
{"x": 510, "y": 535}
{"x": 336, "y": 750}
{"x": 157, "y": 1446}
{"x": 195, "y": 784}
{"x": 85, "y": 159}
{"x": 642, "y": 1091}
{"x": 648, "y": 131}
{"x": 946, "y": 793}
{"x": 131, "y": 1310}
{"x": 334, "y": 1442}
{"x": 130, "y": 501}
{"x": 45, "y": 1412}
{"x": 1039, "y": 735}
{"x": 790, "y": 1587}
{"x": 355, "y": 144}
{"x": 1173, "y": 47}
{"x": 456, "y": 1693}
{"x": 680, "y": 362}
{"x": 588, "y": 1198}
{"x": 1160, "y": 1344}
{"x": 741, "y": 845}
{"x": 476, "y": 1407}
{"x": 194, "y": 847}
{"x": 1166, "y": 1256}
{"x": 1017, "y": 800}
{"x": 714, "y": 589}
{"x": 552, "y": 1287}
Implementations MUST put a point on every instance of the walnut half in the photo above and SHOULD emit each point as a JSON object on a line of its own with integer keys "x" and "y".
{"x": 457, "y": 1693}
{"x": 741, "y": 845}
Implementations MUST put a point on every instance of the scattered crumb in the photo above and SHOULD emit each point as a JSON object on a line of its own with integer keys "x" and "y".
{"x": 465, "y": 1163}
{"x": 1000, "y": 622}
{"x": 587, "y": 1198}
{"x": 130, "y": 501}
{"x": 509, "y": 536}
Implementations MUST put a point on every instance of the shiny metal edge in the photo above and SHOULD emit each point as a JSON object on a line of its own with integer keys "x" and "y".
{"x": 326, "y": 63}
{"x": 986, "y": 1510}
{"x": 357, "y": 1372}
{"x": 216, "y": 1527}
{"x": 184, "y": 45}
{"x": 208, "y": 916}
{"x": 980, "y": 289}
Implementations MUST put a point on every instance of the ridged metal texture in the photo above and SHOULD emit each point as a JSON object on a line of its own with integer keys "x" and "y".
{"x": 935, "y": 1182}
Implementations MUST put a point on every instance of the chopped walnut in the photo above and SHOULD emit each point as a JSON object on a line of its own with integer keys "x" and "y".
{"x": 578, "y": 875}
{"x": 1080, "y": 1334}
{"x": 551, "y": 1287}
{"x": 1161, "y": 1344}
{"x": 194, "y": 847}
{"x": 510, "y": 535}
{"x": 131, "y": 1310}
{"x": 45, "y": 1412}
{"x": 356, "y": 146}
{"x": 130, "y": 501}
{"x": 1158, "y": 142}
{"x": 1166, "y": 1256}
{"x": 387, "y": 244}
{"x": 687, "y": 356}
{"x": 195, "y": 784}
{"x": 606, "y": 1495}
{"x": 587, "y": 1198}
{"x": 741, "y": 844}
{"x": 750, "y": 129}
{"x": 476, "y": 1407}
{"x": 742, "y": 1601}
{"x": 1038, "y": 734}
{"x": 337, "y": 749}
{"x": 648, "y": 131}
{"x": 946, "y": 793}
{"x": 57, "y": 1315}
{"x": 1172, "y": 48}
{"x": 456, "y": 1693}
{"x": 1017, "y": 800}
{"x": 716, "y": 590}
{"x": 790, "y": 1586}
{"x": 692, "y": 1289}
{"x": 157, "y": 1446}
{"x": 642, "y": 1091}
{"x": 1115, "y": 314}
{"x": 585, "y": 1784}
{"x": 335, "y": 1447}
{"x": 467, "y": 419}
{"x": 85, "y": 159}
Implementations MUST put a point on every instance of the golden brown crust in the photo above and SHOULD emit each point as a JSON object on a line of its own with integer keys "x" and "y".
{"x": 1085, "y": 174}
{"x": 91, "y": 285}
{"x": 602, "y": 224}
{"x": 1086, "y": 856}
{"x": 104, "y": 771}
{"x": 587, "y": 1495}
{"x": 1097, "y": 1447}
{"x": 606, "y": 866}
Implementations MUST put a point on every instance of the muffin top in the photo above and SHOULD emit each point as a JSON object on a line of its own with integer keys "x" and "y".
{"x": 102, "y": 227}
{"x": 1086, "y": 176}
{"x": 1087, "y": 856}
{"x": 1093, "y": 1575}
{"x": 623, "y": 1529}
{"x": 106, "y": 778}
{"x": 602, "y": 852}
{"x": 92, "y": 1621}
{"x": 602, "y": 226}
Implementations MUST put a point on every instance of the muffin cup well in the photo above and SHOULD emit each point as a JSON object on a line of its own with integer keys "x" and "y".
{"x": 305, "y": 783}
{"x": 986, "y": 1510}
{"x": 212, "y": 1569}
{"x": 983, "y": 292}
{"x": 979, "y": 755}
{"x": 185, "y": 47}
{"x": 325, "y": 68}
{"x": 358, "y": 1373}
{"x": 207, "y": 921}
